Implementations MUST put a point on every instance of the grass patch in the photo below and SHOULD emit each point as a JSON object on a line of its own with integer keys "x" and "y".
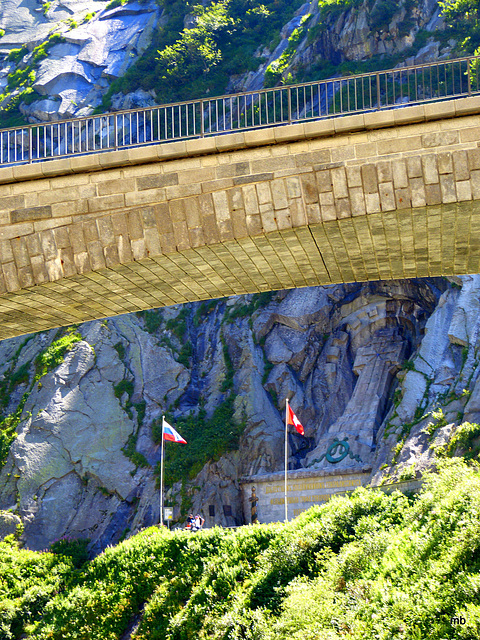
{"x": 152, "y": 318}
{"x": 208, "y": 439}
{"x": 54, "y": 355}
{"x": 364, "y": 566}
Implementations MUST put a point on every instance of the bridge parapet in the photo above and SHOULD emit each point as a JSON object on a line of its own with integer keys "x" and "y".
{"x": 381, "y": 195}
{"x": 359, "y": 93}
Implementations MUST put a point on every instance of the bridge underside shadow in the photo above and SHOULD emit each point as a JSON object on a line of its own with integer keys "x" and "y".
{"x": 410, "y": 243}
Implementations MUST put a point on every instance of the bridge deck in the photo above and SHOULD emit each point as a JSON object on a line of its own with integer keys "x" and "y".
{"x": 385, "y": 195}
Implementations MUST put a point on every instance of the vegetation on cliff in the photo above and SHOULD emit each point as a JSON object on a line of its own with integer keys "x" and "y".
{"x": 224, "y": 39}
{"x": 462, "y": 18}
{"x": 17, "y": 376}
{"x": 366, "y": 566}
{"x": 186, "y": 63}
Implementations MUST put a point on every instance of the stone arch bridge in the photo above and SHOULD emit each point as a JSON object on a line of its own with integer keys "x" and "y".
{"x": 382, "y": 195}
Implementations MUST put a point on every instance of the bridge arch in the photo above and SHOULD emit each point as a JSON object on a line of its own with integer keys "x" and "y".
{"x": 375, "y": 196}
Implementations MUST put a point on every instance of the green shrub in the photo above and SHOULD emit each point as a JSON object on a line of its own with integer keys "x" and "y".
{"x": 462, "y": 19}
{"x": 120, "y": 349}
{"x": 240, "y": 311}
{"x": 268, "y": 366}
{"x": 17, "y": 54}
{"x": 178, "y": 325}
{"x": 208, "y": 439}
{"x": 130, "y": 451}
{"x": 227, "y": 383}
{"x": 21, "y": 376}
{"x": 115, "y": 3}
{"x": 54, "y": 355}
{"x": 153, "y": 319}
{"x": 369, "y": 565}
{"x": 382, "y": 14}
{"x": 331, "y": 9}
{"x": 465, "y": 439}
{"x": 185, "y": 354}
{"x": 76, "y": 550}
{"x": 124, "y": 386}
{"x": 140, "y": 408}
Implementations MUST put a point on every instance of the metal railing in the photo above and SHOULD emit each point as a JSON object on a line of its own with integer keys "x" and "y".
{"x": 254, "y": 109}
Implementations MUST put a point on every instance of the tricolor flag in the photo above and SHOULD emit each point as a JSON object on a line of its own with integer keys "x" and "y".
{"x": 170, "y": 434}
{"x": 294, "y": 421}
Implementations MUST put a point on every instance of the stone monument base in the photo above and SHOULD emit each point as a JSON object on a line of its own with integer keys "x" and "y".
{"x": 305, "y": 488}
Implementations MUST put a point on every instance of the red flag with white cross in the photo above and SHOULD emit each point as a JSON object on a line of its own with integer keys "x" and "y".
{"x": 294, "y": 421}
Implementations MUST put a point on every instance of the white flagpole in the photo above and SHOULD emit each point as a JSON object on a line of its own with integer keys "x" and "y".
{"x": 286, "y": 458}
{"x": 161, "y": 474}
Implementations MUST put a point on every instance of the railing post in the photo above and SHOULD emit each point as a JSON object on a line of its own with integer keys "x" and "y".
{"x": 469, "y": 77}
{"x": 419, "y": 74}
{"x": 289, "y": 93}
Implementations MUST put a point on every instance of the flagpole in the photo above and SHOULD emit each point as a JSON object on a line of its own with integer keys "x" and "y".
{"x": 161, "y": 474}
{"x": 286, "y": 457}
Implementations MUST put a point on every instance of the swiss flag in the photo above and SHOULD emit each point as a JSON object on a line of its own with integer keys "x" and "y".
{"x": 294, "y": 421}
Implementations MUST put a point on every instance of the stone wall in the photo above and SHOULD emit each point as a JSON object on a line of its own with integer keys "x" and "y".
{"x": 363, "y": 197}
{"x": 304, "y": 489}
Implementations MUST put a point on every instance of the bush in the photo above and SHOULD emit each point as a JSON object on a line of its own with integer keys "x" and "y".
{"x": 76, "y": 550}
{"x": 124, "y": 386}
{"x": 54, "y": 355}
{"x": 208, "y": 439}
{"x": 465, "y": 440}
{"x": 364, "y": 566}
{"x": 153, "y": 319}
{"x": 17, "y": 54}
{"x": 462, "y": 18}
{"x": 382, "y": 14}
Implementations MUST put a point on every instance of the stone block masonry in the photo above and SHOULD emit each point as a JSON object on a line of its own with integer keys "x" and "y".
{"x": 305, "y": 489}
{"x": 363, "y": 197}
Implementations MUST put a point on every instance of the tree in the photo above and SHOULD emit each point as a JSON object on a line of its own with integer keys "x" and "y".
{"x": 463, "y": 18}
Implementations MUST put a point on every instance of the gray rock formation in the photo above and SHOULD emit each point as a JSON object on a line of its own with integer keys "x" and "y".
{"x": 101, "y": 44}
{"x": 84, "y": 457}
{"x": 77, "y": 72}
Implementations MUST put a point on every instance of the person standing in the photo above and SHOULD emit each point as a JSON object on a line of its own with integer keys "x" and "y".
{"x": 254, "y": 499}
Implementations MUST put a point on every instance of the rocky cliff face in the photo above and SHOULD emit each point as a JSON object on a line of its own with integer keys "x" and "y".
{"x": 368, "y": 365}
{"x": 322, "y": 36}
{"x": 380, "y": 374}
{"x": 97, "y": 44}
{"x": 58, "y": 58}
